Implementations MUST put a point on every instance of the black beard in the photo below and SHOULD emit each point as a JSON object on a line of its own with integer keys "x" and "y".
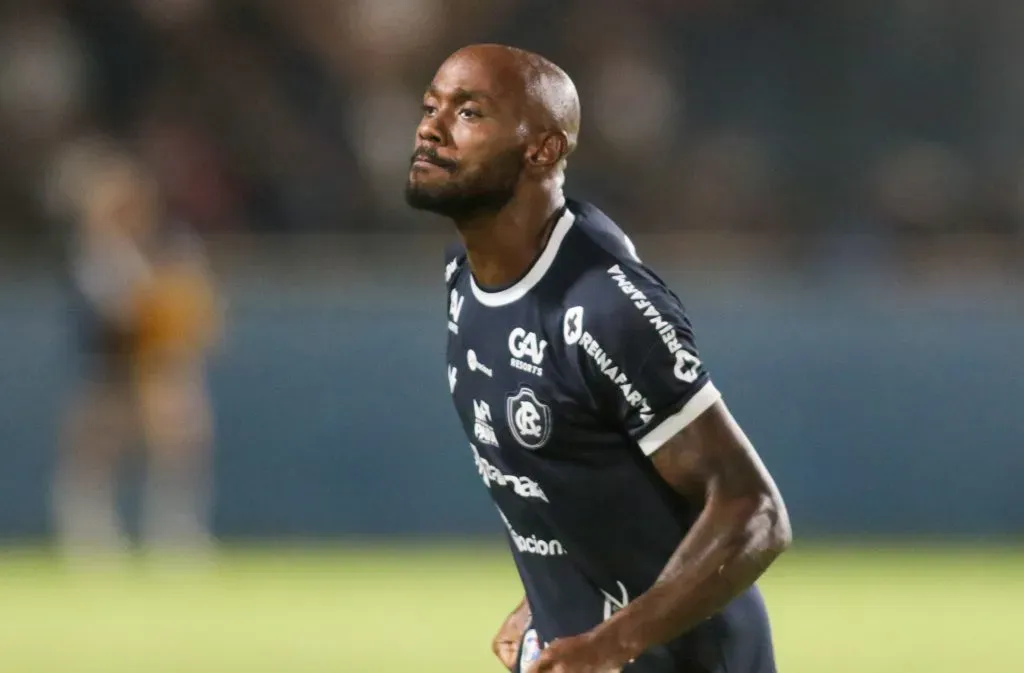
{"x": 453, "y": 202}
{"x": 480, "y": 195}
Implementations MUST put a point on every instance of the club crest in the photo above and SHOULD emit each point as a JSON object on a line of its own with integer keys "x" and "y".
{"x": 529, "y": 419}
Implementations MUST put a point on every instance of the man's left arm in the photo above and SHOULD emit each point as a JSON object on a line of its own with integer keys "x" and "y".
{"x": 742, "y": 528}
{"x": 698, "y": 448}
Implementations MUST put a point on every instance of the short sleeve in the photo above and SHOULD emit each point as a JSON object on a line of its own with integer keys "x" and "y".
{"x": 638, "y": 356}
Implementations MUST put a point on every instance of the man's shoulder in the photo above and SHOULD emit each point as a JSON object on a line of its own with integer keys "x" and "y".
{"x": 601, "y": 238}
{"x": 611, "y": 283}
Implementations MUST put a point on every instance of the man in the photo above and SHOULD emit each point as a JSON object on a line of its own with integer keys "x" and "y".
{"x": 638, "y": 513}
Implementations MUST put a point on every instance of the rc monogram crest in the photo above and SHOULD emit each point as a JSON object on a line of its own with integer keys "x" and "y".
{"x": 529, "y": 419}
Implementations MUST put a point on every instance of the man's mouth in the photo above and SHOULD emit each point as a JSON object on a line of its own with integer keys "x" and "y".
{"x": 431, "y": 159}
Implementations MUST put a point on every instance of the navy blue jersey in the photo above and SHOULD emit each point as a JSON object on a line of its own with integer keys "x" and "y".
{"x": 566, "y": 382}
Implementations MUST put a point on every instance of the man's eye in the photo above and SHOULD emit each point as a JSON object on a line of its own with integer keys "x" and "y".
{"x": 429, "y": 109}
{"x": 466, "y": 113}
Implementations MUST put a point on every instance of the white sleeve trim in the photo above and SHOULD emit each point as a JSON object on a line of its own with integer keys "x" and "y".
{"x": 669, "y": 427}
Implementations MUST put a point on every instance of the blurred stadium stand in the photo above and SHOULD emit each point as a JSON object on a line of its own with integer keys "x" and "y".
{"x": 836, "y": 190}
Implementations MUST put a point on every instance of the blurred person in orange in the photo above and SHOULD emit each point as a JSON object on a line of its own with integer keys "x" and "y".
{"x": 146, "y": 314}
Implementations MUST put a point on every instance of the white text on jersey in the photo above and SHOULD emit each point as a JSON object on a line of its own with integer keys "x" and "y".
{"x": 523, "y": 345}
{"x": 454, "y": 311}
{"x": 608, "y": 367}
{"x": 524, "y": 487}
{"x": 482, "y": 428}
{"x": 687, "y": 367}
{"x": 531, "y": 545}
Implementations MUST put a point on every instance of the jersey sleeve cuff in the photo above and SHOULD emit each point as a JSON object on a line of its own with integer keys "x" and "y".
{"x": 668, "y": 428}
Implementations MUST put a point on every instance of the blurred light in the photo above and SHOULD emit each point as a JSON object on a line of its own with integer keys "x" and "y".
{"x": 395, "y": 26}
{"x": 384, "y": 127}
{"x": 41, "y": 74}
{"x": 922, "y": 185}
{"x": 172, "y": 12}
{"x": 634, "y": 105}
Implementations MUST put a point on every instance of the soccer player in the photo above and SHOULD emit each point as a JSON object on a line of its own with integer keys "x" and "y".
{"x": 638, "y": 513}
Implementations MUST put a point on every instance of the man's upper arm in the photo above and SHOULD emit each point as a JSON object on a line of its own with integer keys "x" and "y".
{"x": 641, "y": 359}
{"x": 639, "y": 356}
{"x": 712, "y": 457}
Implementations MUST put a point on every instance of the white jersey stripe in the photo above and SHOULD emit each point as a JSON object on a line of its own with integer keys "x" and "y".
{"x": 668, "y": 428}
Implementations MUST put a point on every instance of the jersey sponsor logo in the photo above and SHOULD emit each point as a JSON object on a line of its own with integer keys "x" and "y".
{"x": 475, "y": 364}
{"x": 524, "y": 487}
{"x": 532, "y": 545}
{"x": 529, "y": 419}
{"x": 453, "y": 377}
{"x": 530, "y": 650}
{"x": 687, "y": 368}
{"x": 483, "y": 429}
{"x": 604, "y": 362}
{"x": 613, "y": 604}
{"x": 525, "y": 345}
{"x": 572, "y": 325}
{"x": 454, "y": 311}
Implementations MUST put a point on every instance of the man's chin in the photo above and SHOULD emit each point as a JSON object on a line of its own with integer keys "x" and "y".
{"x": 421, "y": 198}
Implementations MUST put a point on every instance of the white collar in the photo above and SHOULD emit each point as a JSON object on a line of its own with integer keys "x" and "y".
{"x": 540, "y": 267}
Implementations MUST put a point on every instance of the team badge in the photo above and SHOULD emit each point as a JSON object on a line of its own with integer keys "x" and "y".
{"x": 530, "y": 651}
{"x": 529, "y": 419}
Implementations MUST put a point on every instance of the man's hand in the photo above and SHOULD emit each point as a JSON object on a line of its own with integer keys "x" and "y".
{"x": 579, "y": 654}
{"x": 510, "y": 635}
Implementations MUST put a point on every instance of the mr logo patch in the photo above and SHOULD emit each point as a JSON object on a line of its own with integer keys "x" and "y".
{"x": 529, "y": 419}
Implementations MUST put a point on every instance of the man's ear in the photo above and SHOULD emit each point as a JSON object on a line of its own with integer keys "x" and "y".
{"x": 552, "y": 148}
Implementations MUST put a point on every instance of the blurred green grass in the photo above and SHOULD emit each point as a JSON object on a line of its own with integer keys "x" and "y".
{"x": 433, "y": 609}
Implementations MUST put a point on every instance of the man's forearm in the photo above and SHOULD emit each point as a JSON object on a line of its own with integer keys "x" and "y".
{"x": 727, "y": 549}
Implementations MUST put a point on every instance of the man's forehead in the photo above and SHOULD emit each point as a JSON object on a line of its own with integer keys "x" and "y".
{"x": 469, "y": 74}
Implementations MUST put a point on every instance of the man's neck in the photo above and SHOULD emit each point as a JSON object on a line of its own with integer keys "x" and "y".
{"x": 501, "y": 246}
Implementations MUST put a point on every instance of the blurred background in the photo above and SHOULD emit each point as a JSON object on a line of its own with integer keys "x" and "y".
{"x": 221, "y": 329}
